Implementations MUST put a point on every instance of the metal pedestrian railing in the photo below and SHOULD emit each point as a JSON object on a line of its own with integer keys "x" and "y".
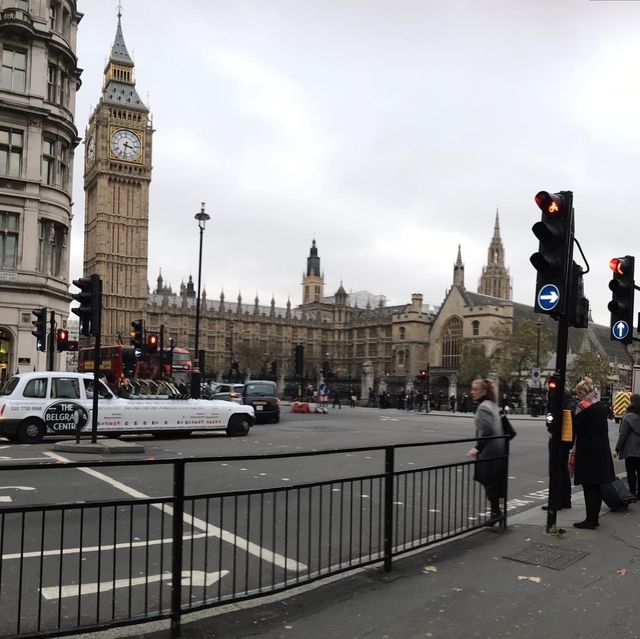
{"x": 78, "y": 567}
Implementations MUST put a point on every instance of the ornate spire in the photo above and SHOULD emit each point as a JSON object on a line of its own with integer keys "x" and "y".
{"x": 119, "y": 79}
{"x": 495, "y": 280}
{"x": 458, "y": 270}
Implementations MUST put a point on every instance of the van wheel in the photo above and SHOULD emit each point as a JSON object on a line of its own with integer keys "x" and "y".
{"x": 239, "y": 426}
{"x": 30, "y": 431}
{"x": 276, "y": 418}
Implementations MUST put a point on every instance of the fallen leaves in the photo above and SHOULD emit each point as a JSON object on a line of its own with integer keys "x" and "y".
{"x": 535, "y": 580}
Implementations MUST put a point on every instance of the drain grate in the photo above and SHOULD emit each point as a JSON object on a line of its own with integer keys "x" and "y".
{"x": 547, "y": 556}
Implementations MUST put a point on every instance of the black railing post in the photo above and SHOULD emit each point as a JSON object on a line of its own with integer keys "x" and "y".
{"x": 176, "y": 548}
{"x": 388, "y": 506}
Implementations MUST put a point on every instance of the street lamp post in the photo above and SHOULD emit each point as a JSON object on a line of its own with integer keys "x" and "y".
{"x": 538, "y": 326}
{"x": 196, "y": 376}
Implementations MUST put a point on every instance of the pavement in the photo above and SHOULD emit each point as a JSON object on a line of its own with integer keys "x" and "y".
{"x": 518, "y": 581}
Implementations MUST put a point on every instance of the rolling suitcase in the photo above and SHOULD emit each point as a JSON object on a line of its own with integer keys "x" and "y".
{"x": 616, "y": 495}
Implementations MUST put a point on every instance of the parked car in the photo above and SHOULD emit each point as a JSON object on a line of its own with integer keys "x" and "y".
{"x": 33, "y": 405}
{"x": 262, "y": 395}
{"x": 228, "y": 392}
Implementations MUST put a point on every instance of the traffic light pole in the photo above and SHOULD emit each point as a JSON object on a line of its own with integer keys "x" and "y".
{"x": 96, "y": 329}
{"x": 52, "y": 342}
{"x": 555, "y": 411}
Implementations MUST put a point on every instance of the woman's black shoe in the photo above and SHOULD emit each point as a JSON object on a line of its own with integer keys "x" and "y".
{"x": 585, "y": 524}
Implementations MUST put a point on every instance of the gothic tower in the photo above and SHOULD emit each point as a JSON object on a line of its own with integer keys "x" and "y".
{"x": 458, "y": 270}
{"x": 313, "y": 281}
{"x": 116, "y": 183}
{"x": 495, "y": 280}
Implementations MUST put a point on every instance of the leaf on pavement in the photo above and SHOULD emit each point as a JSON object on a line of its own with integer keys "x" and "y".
{"x": 430, "y": 569}
{"x": 536, "y": 580}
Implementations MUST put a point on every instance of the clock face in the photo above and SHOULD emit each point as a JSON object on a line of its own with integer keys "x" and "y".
{"x": 91, "y": 150}
{"x": 126, "y": 145}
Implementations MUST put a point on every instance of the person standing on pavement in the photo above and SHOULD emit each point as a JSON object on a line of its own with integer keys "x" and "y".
{"x": 628, "y": 446}
{"x": 594, "y": 464}
{"x": 336, "y": 399}
{"x": 491, "y": 474}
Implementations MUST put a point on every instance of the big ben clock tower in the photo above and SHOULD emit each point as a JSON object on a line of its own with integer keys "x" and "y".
{"x": 116, "y": 182}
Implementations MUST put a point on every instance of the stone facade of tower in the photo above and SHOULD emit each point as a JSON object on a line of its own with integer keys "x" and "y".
{"x": 495, "y": 280}
{"x": 116, "y": 182}
{"x": 38, "y": 136}
{"x": 313, "y": 279}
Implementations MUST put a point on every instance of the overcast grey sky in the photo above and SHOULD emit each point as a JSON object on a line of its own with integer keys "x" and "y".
{"x": 389, "y": 131}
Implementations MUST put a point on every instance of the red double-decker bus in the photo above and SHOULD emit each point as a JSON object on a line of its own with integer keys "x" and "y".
{"x": 120, "y": 361}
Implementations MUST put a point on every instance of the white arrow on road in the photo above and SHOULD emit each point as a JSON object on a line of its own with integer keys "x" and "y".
{"x": 551, "y": 297}
{"x": 189, "y": 578}
{"x": 6, "y": 498}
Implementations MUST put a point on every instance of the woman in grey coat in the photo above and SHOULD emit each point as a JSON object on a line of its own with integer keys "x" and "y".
{"x": 491, "y": 474}
{"x": 628, "y": 446}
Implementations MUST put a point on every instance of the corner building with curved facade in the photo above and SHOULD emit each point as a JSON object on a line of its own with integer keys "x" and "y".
{"x": 39, "y": 77}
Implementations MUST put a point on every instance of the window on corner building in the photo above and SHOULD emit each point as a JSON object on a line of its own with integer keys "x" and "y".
{"x": 450, "y": 338}
{"x": 57, "y": 85}
{"x": 53, "y": 243}
{"x": 402, "y": 332}
{"x": 11, "y": 144}
{"x": 8, "y": 239}
{"x": 476, "y": 327}
{"x": 55, "y": 162}
{"x": 13, "y": 76}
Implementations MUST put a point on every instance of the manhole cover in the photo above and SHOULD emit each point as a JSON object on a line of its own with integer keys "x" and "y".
{"x": 547, "y": 556}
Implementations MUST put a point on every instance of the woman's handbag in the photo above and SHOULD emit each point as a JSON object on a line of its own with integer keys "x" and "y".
{"x": 507, "y": 428}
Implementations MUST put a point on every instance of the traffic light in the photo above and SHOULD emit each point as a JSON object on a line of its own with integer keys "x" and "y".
{"x": 40, "y": 328}
{"x": 62, "y": 340}
{"x": 274, "y": 368}
{"x": 622, "y": 287}
{"x": 554, "y": 394}
{"x": 90, "y": 300}
{"x": 578, "y": 303}
{"x": 137, "y": 338}
{"x": 299, "y": 359}
{"x": 152, "y": 343}
{"x": 423, "y": 374}
{"x": 555, "y": 234}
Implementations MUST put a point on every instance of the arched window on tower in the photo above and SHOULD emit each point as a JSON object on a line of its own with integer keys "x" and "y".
{"x": 450, "y": 338}
{"x": 475, "y": 325}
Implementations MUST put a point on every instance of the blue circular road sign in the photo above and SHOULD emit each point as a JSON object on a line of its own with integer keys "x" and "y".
{"x": 548, "y": 297}
{"x": 620, "y": 329}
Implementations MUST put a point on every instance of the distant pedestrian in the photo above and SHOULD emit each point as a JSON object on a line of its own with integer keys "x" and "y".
{"x": 419, "y": 400}
{"x": 124, "y": 390}
{"x": 491, "y": 474}
{"x": 336, "y": 398}
{"x": 352, "y": 398}
{"x": 452, "y": 404}
{"x": 628, "y": 446}
{"x": 594, "y": 465}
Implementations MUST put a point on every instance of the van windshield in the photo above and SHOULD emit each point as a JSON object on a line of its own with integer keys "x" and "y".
{"x": 259, "y": 389}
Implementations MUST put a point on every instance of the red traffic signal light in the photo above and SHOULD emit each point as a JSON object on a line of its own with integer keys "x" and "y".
{"x": 40, "y": 328}
{"x": 62, "y": 340}
{"x": 618, "y": 265}
{"x": 553, "y": 259}
{"x": 423, "y": 374}
{"x": 622, "y": 286}
{"x": 136, "y": 333}
{"x": 152, "y": 343}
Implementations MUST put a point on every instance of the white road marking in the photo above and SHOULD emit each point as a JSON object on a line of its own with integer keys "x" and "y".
{"x": 244, "y": 544}
{"x": 105, "y": 547}
{"x": 195, "y": 578}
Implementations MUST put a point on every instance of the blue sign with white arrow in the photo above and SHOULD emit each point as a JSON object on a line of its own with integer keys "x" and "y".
{"x": 620, "y": 329}
{"x": 548, "y": 297}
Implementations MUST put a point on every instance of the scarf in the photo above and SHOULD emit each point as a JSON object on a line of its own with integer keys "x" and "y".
{"x": 589, "y": 400}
